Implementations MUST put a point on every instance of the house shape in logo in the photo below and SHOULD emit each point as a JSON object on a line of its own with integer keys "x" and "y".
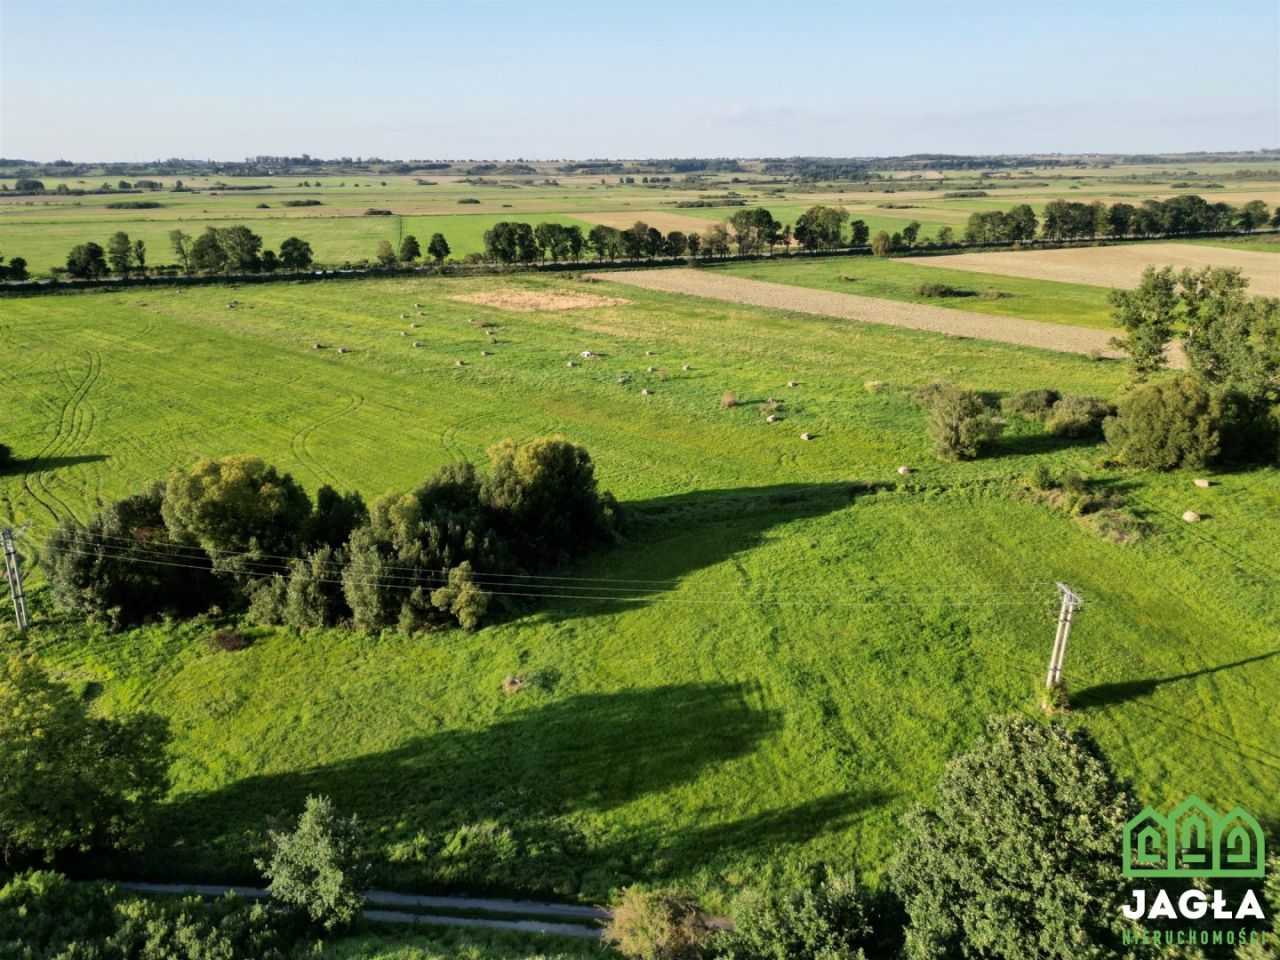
{"x": 1193, "y": 841}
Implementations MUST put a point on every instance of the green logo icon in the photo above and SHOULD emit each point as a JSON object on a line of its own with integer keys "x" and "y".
{"x": 1193, "y": 841}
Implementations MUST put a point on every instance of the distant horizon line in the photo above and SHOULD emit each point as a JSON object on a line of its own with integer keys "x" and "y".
{"x": 917, "y": 155}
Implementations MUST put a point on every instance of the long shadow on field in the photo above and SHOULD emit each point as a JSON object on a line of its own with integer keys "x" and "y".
{"x": 45, "y": 464}
{"x": 669, "y": 538}
{"x": 1110, "y": 694}
{"x": 524, "y": 773}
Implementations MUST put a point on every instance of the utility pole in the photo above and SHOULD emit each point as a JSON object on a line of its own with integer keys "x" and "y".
{"x": 1070, "y": 602}
{"x": 14, "y": 574}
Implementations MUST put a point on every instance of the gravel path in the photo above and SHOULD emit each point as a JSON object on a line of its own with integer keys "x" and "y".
{"x": 386, "y": 898}
{"x": 960, "y": 323}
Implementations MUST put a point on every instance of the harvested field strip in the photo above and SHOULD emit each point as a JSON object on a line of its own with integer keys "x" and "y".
{"x": 779, "y": 296}
{"x": 1116, "y": 266}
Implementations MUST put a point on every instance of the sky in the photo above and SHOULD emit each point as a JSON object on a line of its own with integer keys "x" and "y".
{"x": 490, "y": 79}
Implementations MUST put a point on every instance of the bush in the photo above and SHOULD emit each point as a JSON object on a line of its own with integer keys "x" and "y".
{"x": 319, "y": 867}
{"x": 1161, "y": 426}
{"x": 303, "y": 203}
{"x": 657, "y": 926}
{"x": 834, "y": 918}
{"x": 728, "y": 399}
{"x": 1041, "y": 477}
{"x": 960, "y": 424}
{"x": 940, "y": 290}
{"x": 44, "y": 916}
{"x": 134, "y": 205}
{"x": 1032, "y": 404}
{"x": 1077, "y": 417}
{"x": 227, "y": 640}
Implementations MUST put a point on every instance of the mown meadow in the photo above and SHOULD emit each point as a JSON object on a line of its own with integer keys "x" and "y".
{"x": 766, "y": 672}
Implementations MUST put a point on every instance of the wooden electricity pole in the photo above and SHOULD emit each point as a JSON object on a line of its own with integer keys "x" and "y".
{"x": 14, "y": 574}
{"x": 1070, "y": 602}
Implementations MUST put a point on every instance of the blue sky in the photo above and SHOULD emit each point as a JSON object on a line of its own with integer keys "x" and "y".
{"x": 493, "y": 79}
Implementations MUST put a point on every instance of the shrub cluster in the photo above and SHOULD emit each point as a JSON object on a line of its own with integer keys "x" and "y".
{"x": 961, "y": 424}
{"x": 1062, "y": 415}
{"x": 45, "y": 916}
{"x": 237, "y": 534}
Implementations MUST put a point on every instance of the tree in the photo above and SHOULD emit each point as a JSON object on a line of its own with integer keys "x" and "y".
{"x": 106, "y": 571}
{"x": 86, "y": 261}
{"x": 140, "y": 254}
{"x": 1016, "y": 856}
{"x": 17, "y": 269}
{"x": 409, "y": 249}
{"x": 881, "y": 245}
{"x": 241, "y": 247}
{"x": 1232, "y": 340}
{"x": 69, "y": 780}
{"x": 206, "y": 252}
{"x": 235, "y": 505}
{"x": 605, "y": 241}
{"x": 438, "y": 247}
{"x": 820, "y": 227}
{"x": 319, "y": 867}
{"x": 657, "y": 926}
{"x": 386, "y": 254}
{"x": 270, "y": 261}
{"x": 1164, "y": 425}
{"x": 181, "y": 243}
{"x": 960, "y": 424}
{"x": 910, "y": 232}
{"x": 694, "y": 240}
{"x": 575, "y": 240}
{"x": 635, "y": 240}
{"x": 945, "y": 236}
{"x": 1147, "y": 314}
{"x": 677, "y": 244}
{"x": 295, "y": 254}
{"x": 716, "y": 242}
{"x": 120, "y": 253}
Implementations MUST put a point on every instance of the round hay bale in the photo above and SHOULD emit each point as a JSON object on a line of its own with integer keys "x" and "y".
{"x": 459, "y": 363}
{"x": 419, "y": 313}
{"x": 415, "y": 325}
{"x": 771, "y": 418}
{"x": 342, "y": 349}
{"x": 793, "y": 383}
{"x": 652, "y": 369}
{"x": 417, "y": 305}
{"x": 484, "y": 353}
{"x": 570, "y": 364}
{"x": 317, "y": 346}
{"x": 417, "y": 343}
{"x": 806, "y": 436}
{"x": 1203, "y": 483}
{"x": 624, "y": 380}
{"x": 648, "y": 353}
{"x": 904, "y": 471}
{"x": 686, "y": 367}
{"x": 586, "y": 354}
{"x": 1191, "y": 516}
{"x": 404, "y": 333}
{"x": 646, "y": 392}
{"x": 404, "y": 316}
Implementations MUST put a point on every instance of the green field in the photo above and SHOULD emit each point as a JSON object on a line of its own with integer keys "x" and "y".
{"x": 778, "y": 659}
{"x": 898, "y": 279}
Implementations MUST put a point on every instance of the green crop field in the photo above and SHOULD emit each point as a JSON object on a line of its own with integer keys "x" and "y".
{"x": 899, "y": 279}
{"x": 768, "y": 670}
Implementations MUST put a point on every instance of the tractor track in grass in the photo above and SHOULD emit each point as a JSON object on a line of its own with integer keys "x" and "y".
{"x": 300, "y": 440}
{"x": 1060, "y": 337}
{"x": 67, "y": 434}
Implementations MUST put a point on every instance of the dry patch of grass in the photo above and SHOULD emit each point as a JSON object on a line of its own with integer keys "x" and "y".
{"x": 528, "y": 301}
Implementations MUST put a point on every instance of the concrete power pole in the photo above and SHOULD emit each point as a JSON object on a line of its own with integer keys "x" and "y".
{"x": 14, "y": 574}
{"x": 1070, "y": 602}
